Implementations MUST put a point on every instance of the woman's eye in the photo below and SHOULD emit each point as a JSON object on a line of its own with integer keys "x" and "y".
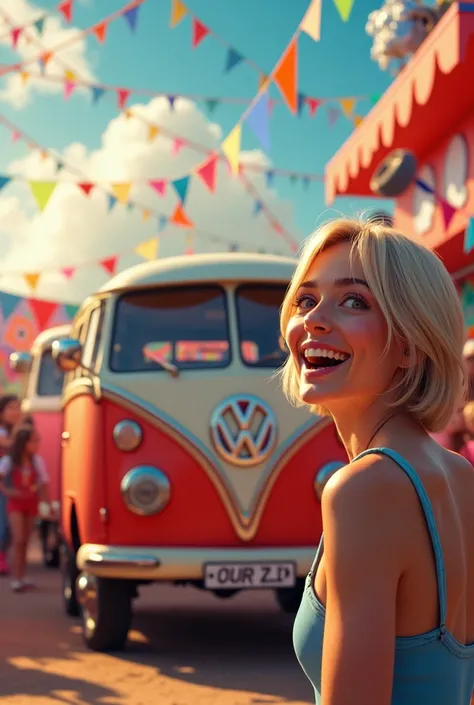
{"x": 354, "y": 302}
{"x": 304, "y": 302}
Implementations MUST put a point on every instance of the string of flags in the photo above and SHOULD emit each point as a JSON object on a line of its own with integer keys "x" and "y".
{"x": 206, "y": 172}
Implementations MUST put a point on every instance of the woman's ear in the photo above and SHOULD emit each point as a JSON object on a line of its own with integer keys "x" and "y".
{"x": 406, "y": 357}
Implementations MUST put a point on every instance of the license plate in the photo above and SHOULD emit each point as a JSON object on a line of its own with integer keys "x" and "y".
{"x": 249, "y": 575}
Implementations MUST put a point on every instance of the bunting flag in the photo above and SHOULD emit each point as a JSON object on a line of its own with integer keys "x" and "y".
{"x": 181, "y": 188}
{"x": 448, "y": 213}
{"x": 100, "y": 32}
{"x": 285, "y": 76}
{"x": 121, "y": 191}
{"x": 42, "y": 311}
{"x": 122, "y": 97}
{"x": 344, "y": 8}
{"x": 159, "y": 186}
{"x": 178, "y": 12}
{"x": 148, "y": 250}
{"x": 42, "y": 192}
{"x": 179, "y": 217}
{"x": 200, "y": 32}
{"x": 68, "y": 272}
{"x": 109, "y": 264}
{"x": 86, "y": 187}
{"x": 15, "y": 35}
{"x": 131, "y": 16}
{"x": 233, "y": 59}
{"x": 231, "y": 147}
{"x": 347, "y": 105}
{"x": 65, "y": 8}
{"x": 4, "y": 180}
{"x": 207, "y": 172}
{"x": 32, "y": 279}
{"x": 153, "y": 131}
{"x": 258, "y": 119}
{"x": 311, "y": 24}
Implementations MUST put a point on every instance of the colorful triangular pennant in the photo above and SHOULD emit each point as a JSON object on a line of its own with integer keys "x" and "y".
{"x": 148, "y": 250}
{"x": 211, "y": 105}
{"x": 4, "y": 180}
{"x": 181, "y": 187}
{"x": 311, "y": 23}
{"x": 65, "y": 8}
{"x": 233, "y": 59}
{"x": 153, "y": 132}
{"x": 258, "y": 119}
{"x": 159, "y": 186}
{"x": 131, "y": 17}
{"x": 68, "y": 272}
{"x": 285, "y": 76}
{"x": 122, "y": 97}
{"x": 42, "y": 311}
{"x": 8, "y": 303}
{"x": 42, "y": 192}
{"x": 32, "y": 279}
{"x": 179, "y": 217}
{"x": 15, "y": 35}
{"x": 231, "y": 147}
{"x": 178, "y": 12}
{"x": 97, "y": 93}
{"x": 344, "y": 8}
{"x": 469, "y": 236}
{"x": 313, "y": 104}
{"x": 121, "y": 191}
{"x": 109, "y": 264}
{"x": 39, "y": 25}
{"x": 207, "y": 172}
{"x": 448, "y": 213}
{"x": 70, "y": 310}
{"x": 100, "y": 32}
{"x": 86, "y": 187}
{"x": 347, "y": 106}
{"x": 200, "y": 32}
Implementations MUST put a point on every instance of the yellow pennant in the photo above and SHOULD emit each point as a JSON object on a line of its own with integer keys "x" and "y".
{"x": 178, "y": 12}
{"x": 128, "y": 114}
{"x": 145, "y": 214}
{"x": 24, "y": 77}
{"x": 70, "y": 76}
{"x": 32, "y": 280}
{"x": 231, "y": 147}
{"x": 153, "y": 131}
{"x": 42, "y": 192}
{"x": 347, "y": 105}
{"x": 121, "y": 191}
{"x": 148, "y": 250}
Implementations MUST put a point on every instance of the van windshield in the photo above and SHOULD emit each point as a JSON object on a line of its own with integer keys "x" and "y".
{"x": 183, "y": 325}
{"x": 258, "y": 312}
{"x": 50, "y": 377}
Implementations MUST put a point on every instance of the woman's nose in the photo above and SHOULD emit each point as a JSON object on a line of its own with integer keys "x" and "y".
{"x": 316, "y": 319}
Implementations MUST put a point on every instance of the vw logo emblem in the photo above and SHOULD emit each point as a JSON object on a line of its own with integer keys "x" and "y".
{"x": 243, "y": 430}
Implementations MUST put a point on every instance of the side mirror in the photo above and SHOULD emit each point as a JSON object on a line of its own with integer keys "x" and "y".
{"x": 20, "y": 362}
{"x": 394, "y": 174}
{"x": 67, "y": 354}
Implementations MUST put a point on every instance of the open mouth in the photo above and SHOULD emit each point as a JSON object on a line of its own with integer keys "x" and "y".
{"x": 318, "y": 358}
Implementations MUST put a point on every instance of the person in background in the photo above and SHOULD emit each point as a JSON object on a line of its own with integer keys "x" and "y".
{"x": 467, "y": 450}
{"x": 24, "y": 481}
{"x": 10, "y": 414}
{"x": 468, "y": 355}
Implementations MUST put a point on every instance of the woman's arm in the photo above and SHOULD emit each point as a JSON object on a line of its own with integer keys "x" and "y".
{"x": 361, "y": 519}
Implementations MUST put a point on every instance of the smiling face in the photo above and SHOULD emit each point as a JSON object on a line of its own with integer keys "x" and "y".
{"x": 338, "y": 335}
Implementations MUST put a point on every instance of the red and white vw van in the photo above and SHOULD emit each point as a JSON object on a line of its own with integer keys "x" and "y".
{"x": 182, "y": 461}
{"x": 42, "y": 388}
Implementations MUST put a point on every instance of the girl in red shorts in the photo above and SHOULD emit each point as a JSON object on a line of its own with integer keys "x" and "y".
{"x": 24, "y": 482}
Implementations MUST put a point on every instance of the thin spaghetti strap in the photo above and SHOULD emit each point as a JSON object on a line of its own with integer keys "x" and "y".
{"x": 430, "y": 521}
{"x": 317, "y": 558}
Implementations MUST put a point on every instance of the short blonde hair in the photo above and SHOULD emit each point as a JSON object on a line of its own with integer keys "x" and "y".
{"x": 421, "y": 307}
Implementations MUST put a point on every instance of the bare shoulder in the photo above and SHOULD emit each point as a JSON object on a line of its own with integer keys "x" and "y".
{"x": 460, "y": 472}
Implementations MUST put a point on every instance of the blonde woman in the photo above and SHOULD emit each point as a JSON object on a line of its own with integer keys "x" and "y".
{"x": 375, "y": 332}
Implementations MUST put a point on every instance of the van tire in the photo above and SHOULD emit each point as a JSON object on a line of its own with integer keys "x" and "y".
{"x": 289, "y": 599}
{"x": 108, "y": 628}
{"x": 69, "y": 574}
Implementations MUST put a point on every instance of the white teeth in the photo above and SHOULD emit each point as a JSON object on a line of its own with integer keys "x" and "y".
{"x": 323, "y": 352}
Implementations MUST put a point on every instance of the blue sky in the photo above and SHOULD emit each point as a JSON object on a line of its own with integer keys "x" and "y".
{"x": 159, "y": 58}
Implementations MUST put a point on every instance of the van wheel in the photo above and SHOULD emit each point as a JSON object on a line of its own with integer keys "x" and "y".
{"x": 289, "y": 599}
{"x": 106, "y": 607}
{"x": 69, "y": 575}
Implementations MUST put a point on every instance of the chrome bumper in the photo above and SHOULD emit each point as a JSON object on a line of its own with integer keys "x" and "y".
{"x": 178, "y": 563}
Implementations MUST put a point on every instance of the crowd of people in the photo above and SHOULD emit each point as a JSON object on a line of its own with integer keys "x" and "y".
{"x": 23, "y": 487}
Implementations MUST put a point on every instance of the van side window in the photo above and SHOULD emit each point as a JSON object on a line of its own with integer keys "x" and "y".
{"x": 50, "y": 377}
{"x": 92, "y": 340}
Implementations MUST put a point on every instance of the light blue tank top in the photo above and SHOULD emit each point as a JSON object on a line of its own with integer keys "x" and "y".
{"x": 432, "y": 668}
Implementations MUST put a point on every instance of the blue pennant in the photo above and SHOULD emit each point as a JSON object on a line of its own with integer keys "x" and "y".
{"x": 111, "y": 201}
{"x": 4, "y": 180}
{"x": 469, "y": 236}
{"x": 8, "y": 302}
{"x": 258, "y": 207}
{"x": 269, "y": 176}
{"x": 171, "y": 100}
{"x": 97, "y": 93}
{"x": 162, "y": 223}
{"x": 181, "y": 187}
{"x": 131, "y": 16}
{"x": 233, "y": 59}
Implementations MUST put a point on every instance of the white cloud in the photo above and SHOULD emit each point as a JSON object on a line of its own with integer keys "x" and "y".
{"x": 75, "y": 228}
{"x": 18, "y": 92}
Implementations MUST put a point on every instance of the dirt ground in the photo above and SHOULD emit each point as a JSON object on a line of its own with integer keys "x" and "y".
{"x": 186, "y": 648}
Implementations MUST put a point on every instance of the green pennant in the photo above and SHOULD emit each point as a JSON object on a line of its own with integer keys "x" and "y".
{"x": 211, "y": 105}
{"x": 375, "y": 98}
{"x": 39, "y": 24}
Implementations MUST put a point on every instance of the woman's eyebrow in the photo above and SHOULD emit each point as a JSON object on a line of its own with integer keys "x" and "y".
{"x": 345, "y": 281}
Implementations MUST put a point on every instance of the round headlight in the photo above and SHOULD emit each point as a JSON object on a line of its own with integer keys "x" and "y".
{"x": 145, "y": 490}
{"x": 323, "y": 475}
{"x": 127, "y": 435}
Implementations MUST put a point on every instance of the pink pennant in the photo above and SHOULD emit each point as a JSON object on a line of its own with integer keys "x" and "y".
{"x": 178, "y": 145}
{"x": 109, "y": 264}
{"x": 68, "y": 272}
{"x": 158, "y": 186}
{"x": 448, "y": 213}
{"x": 122, "y": 97}
{"x": 207, "y": 172}
{"x": 313, "y": 104}
{"x": 69, "y": 87}
{"x": 16, "y": 135}
{"x": 15, "y": 33}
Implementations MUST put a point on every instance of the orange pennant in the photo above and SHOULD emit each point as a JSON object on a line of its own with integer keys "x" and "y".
{"x": 46, "y": 56}
{"x": 357, "y": 119}
{"x": 24, "y": 77}
{"x": 100, "y": 31}
{"x": 179, "y": 217}
{"x": 286, "y": 76}
{"x": 178, "y": 12}
{"x": 32, "y": 279}
{"x": 153, "y": 131}
{"x": 347, "y": 105}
